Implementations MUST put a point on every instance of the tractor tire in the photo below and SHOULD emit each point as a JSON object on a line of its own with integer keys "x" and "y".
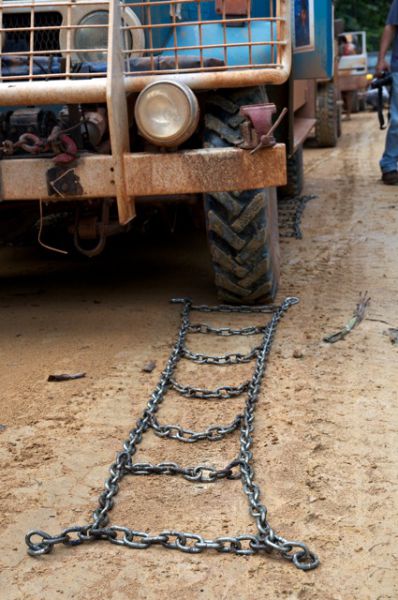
{"x": 295, "y": 175}
{"x": 327, "y": 116}
{"x": 242, "y": 226}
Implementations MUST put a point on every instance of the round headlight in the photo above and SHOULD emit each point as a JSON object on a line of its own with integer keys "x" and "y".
{"x": 167, "y": 113}
{"x": 96, "y": 38}
{"x": 88, "y": 38}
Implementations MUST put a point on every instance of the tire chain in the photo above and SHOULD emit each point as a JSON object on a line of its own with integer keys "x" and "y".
{"x": 290, "y": 214}
{"x": 266, "y": 540}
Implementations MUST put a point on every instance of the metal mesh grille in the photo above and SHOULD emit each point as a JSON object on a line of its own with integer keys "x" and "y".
{"x": 203, "y": 36}
{"x": 17, "y": 34}
{"x": 166, "y": 36}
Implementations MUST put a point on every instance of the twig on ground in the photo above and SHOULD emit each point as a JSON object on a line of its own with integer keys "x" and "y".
{"x": 353, "y": 322}
{"x": 65, "y": 376}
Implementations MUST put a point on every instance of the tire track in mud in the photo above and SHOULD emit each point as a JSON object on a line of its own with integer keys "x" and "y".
{"x": 351, "y": 471}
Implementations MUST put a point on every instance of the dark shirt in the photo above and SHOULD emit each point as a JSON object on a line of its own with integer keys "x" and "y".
{"x": 392, "y": 19}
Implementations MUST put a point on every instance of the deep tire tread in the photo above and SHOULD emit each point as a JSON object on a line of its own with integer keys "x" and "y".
{"x": 239, "y": 231}
{"x": 326, "y": 129}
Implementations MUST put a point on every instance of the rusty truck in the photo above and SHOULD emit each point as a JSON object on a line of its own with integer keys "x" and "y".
{"x": 105, "y": 103}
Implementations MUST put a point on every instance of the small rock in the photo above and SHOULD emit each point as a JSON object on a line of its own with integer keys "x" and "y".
{"x": 392, "y": 334}
{"x": 298, "y": 353}
{"x": 149, "y": 367}
{"x": 3, "y": 427}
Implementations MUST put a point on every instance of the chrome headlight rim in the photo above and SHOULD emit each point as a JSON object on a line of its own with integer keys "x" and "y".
{"x": 79, "y": 13}
{"x": 190, "y": 125}
{"x": 85, "y": 54}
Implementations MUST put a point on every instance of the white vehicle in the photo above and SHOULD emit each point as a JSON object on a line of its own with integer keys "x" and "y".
{"x": 353, "y": 65}
{"x": 353, "y": 55}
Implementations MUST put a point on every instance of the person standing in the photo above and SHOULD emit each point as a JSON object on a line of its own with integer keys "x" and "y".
{"x": 389, "y": 160}
{"x": 347, "y": 48}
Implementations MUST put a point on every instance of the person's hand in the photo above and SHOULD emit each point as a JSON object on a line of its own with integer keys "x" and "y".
{"x": 382, "y": 66}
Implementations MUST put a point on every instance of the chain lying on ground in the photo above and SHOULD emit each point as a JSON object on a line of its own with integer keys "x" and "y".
{"x": 241, "y": 467}
{"x": 290, "y": 213}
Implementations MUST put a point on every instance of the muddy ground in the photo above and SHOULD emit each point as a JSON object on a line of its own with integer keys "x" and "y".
{"x": 326, "y": 429}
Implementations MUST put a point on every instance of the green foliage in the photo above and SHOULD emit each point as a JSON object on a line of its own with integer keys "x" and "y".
{"x": 364, "y": 15}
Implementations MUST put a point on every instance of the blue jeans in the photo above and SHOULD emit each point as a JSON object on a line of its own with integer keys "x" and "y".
{"x": 389, "y": 161}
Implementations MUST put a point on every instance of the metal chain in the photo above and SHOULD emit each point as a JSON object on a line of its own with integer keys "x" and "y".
{"x": 290, "y": 214}
{"x": 203, "y": 328}
{"x": 221, "y": 393}
{"x": 226, "y": 308}
{"x": 197, "y": 473}
{"x": 40, "y": 542}
{"x": 234, "y": 358}
{"x": 214, "y": 433}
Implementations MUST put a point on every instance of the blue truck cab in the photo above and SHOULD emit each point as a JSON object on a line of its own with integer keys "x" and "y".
{"x": 311, "y": 90}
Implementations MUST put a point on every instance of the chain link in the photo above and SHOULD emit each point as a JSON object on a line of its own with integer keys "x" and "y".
{"x": 221, "y": 393}
{"x": 233, "y": 358}
{"x": 197, "y": 473}
{"x": 227, "y": 308}
{"x": 290, "y": 214}
{"x": 214, "y": 433}
{"x": 225, "y": 331}
{"x": 40, "y": 542}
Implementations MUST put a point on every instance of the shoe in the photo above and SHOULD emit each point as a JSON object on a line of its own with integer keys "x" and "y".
{"x": 390, "y": 178}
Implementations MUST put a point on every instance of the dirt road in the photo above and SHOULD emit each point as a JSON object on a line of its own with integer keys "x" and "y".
{"x": 326, "y": 429}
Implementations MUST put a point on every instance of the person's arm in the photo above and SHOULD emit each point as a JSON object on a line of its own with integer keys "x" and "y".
{"x": 385, "y": 43}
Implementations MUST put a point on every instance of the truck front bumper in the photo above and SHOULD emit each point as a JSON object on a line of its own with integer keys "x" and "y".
{"x": 145, "y": 174}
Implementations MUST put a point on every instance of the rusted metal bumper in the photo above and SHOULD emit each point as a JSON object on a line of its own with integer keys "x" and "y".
{"x": 191, "y": 171}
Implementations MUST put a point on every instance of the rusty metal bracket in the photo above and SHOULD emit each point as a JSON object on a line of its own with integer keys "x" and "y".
{"x": 233, "y": 8}
{"x": 63, "y": 182}
{"x": 257, "y": 130}
{"x": 92, "y": 228}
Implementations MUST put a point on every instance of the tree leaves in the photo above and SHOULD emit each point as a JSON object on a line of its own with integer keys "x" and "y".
{"x": 364, "y": 16}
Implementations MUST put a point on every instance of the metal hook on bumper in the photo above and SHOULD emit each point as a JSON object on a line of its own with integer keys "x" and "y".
{"x": 98, "y": 229}
{"x": 257, "y": 130}
{"x": 31, "y": 143}
{"x": 65, "y": 148}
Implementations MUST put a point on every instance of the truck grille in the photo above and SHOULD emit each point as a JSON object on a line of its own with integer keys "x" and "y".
{"x": 17, "y": 34}
{"x": 199, "y": 40}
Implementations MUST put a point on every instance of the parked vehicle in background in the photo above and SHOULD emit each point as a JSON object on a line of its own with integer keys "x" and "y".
{"x": 353, "y": 69}
{"x": 108, "y": 107}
